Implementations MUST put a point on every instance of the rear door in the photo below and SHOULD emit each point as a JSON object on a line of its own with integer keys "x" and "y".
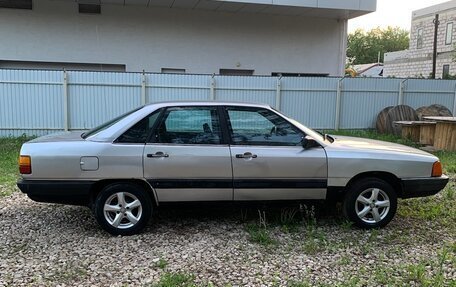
{"x": 269, "y": 162}
{"x": 187, "y": 158}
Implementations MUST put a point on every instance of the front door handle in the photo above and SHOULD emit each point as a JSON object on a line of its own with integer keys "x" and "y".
{"x": 157, "y": 154}
{"x": 246, "y": 155}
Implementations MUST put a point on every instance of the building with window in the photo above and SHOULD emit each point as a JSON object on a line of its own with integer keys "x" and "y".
{"x": 232, "y": 37}
{"x": 417, "y": 60}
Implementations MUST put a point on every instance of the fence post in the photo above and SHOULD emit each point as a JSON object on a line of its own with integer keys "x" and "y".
{"x": 65, "y": 101}
{"x": 212, "y": 94}
{"x": 338, "y": 100}
{"x": 278, "y": 98}
{"x": 400, "y": 100}
{"x": 454, "y": 101}
{"x": 143, "y": 88}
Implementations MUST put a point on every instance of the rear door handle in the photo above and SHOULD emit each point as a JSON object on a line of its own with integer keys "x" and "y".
{"x": 157, "y": 154}
{"x": 246, "y": 155}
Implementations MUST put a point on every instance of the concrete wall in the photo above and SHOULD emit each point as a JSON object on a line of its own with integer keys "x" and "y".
{"x": 155, "y": 38}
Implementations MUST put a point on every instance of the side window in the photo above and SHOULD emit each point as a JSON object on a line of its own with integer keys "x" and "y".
{"x": 189, "y": 125}
{"x": 261, "y": 127}
{"x": 419, "y": 38}
{"x": 449, "y": 34}
{"x": 139, "y": 132}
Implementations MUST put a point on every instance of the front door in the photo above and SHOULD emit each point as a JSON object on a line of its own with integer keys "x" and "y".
{"x": 269, "y": 162}
{"x": 187, "y": 159}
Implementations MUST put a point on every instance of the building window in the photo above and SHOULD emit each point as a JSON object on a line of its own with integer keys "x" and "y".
{"x": 449, "y": 34}
{"x": 446, "y": 71}
{"x": 172, "y": 71}
{"x": 236, "y": 72}
{"x": 30, "y": 65}
{"x": 89, "y": 9}
{"x": 419, "y": 39}
{"x": 279, "y": 74}
{"x": 16, "y": 4}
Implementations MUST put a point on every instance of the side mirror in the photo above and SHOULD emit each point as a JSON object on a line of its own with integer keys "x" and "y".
{"x": 308, "y": 143}
{"x": 305, "y": 142}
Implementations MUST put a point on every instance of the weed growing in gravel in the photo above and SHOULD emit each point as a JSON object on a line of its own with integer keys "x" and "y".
{"x": 176, "y": 280}
{"x": 299, "y": 284}
{"x": 260, "y": 235}
{"x": 315, "y": 241}
{"x": 72, "y": 272}
{"x": 346, "y": 225}
{"x": 288, "y": 221}
{"x": 344, "y": 260}
{"x": 440, "y": 208}
{"x": 161, "y": 263}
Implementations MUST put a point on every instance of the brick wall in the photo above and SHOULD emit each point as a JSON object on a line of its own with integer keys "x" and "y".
{"x": 418, "y": 62}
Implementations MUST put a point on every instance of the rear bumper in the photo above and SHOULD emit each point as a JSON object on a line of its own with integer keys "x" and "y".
{"x": 57, "y": 191}
{"x": 420, "y": 187}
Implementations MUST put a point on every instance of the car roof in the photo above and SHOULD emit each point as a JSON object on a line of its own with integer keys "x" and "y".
{"x": 206, "y": 103}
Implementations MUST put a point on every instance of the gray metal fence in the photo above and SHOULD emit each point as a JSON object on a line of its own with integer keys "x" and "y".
{"x": 39, "y": 102}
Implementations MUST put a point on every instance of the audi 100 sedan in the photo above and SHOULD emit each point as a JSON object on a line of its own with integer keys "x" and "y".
{"x": 220, "y": 151}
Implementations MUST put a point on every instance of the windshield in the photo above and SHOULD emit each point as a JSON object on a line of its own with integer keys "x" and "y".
{"x": 107, "y": 124}
{"x": 310, "y": 132}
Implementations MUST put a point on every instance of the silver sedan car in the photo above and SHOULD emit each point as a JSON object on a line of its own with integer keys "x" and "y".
{"x": 220, "y": 151}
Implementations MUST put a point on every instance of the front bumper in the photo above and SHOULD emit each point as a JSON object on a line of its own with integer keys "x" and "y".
{"x": 420, "y": 187}
{"x": 57, "y": 191}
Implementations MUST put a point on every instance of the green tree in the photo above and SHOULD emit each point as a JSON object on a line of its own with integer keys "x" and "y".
{"x": 363, "y": 47}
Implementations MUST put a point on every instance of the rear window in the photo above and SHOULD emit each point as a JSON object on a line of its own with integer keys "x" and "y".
{"x": 108, "y": 124}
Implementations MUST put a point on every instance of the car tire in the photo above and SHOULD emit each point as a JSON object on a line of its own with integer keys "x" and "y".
{"x": 370, "y": 203}
{"x": 123, "y": 208}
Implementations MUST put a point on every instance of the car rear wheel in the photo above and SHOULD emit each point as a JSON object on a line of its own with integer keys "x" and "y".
{"x": 370, "y": 203}
{"x": 123, "y": 208}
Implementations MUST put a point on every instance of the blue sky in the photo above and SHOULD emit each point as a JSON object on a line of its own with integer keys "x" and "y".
{"x": 391, "y": 13}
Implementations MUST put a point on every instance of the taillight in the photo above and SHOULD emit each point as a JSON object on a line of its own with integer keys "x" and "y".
{"x": 437, "y": 169}
{"x": 25, "y": 164}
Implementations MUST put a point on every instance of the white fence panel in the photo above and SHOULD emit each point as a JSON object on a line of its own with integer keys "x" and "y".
{"x": 172, "y": 87}
{"x": 94, "y": 98}
{"x": 311, "y": 101}
{"x": 30, "y": 102}
{"x": 246, "y": 89}
{"x": 363, "y": 98}
{"x": 36, "y": 102}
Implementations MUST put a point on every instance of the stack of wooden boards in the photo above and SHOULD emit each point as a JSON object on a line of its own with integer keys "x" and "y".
{"x": 417, "y": 125}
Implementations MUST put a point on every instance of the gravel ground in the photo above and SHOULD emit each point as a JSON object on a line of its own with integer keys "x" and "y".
{"x": 46, "y": 244}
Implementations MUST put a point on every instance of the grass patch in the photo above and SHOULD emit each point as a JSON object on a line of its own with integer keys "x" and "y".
{"x": 9, "y": 154}
{"x": 161, "y": 263}
{"x": 441, "y": 208}
{"x": 178, "y": 280}
{"x": 260, "y": 235}
{"x": 427, "y": 272}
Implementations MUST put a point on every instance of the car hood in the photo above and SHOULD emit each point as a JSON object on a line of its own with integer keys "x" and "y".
{"x": 373, "y": 145}
{"x": 59, "y": 137}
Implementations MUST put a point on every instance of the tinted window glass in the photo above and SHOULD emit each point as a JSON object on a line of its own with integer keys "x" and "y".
{"x": 107, "y": 124}
{"x": 261, "y": 127}
{"x": 139, "y": 132}
{"x": 192, "y": 125}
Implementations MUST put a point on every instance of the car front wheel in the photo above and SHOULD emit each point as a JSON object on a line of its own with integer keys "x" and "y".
{"x": 370, "y": 203}
{"x": 123, "y": 208}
